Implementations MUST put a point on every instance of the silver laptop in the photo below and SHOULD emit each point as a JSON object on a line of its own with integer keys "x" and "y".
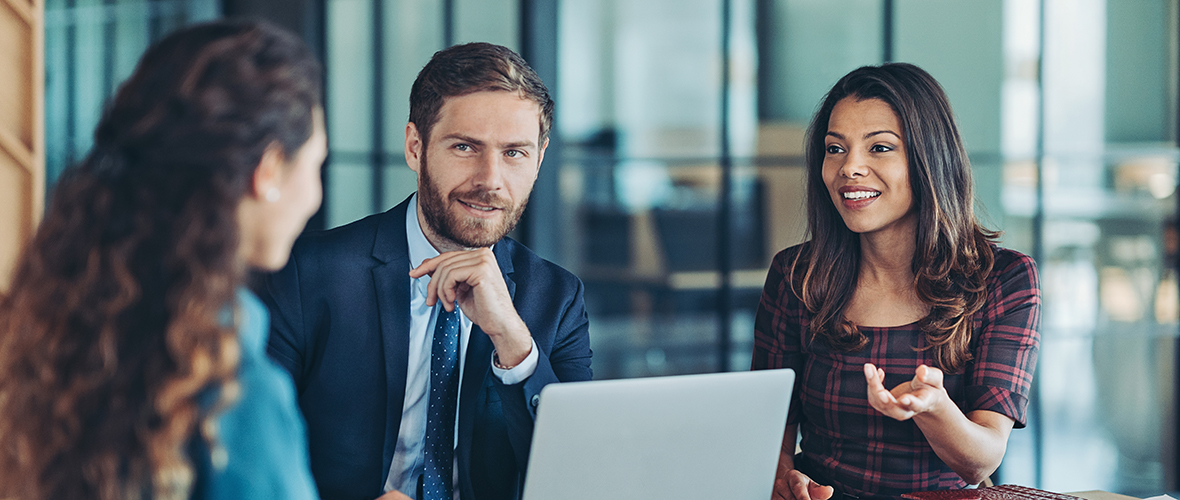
{"x": 686, "y": 437}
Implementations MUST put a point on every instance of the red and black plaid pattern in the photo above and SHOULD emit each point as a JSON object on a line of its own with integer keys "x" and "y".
{"x": 863, "y": 451}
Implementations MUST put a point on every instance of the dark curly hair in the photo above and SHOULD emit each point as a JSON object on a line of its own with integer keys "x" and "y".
{"x": 953, "y": 256}
{"x": 118, "y": 323}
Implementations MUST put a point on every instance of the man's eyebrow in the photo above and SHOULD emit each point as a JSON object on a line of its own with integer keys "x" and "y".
{"x": 476, "y": 142}
{"x": 463, "y": 138}
{"x": 519, "y": 144}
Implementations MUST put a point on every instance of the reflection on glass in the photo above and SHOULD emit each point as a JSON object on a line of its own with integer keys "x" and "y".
{"x": 1107, "y": 365}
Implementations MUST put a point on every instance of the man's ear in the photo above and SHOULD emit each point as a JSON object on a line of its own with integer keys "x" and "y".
{"x": 541, "y": 157}
{"x": 269, "y": 172}
{"x": 414, "y": 147}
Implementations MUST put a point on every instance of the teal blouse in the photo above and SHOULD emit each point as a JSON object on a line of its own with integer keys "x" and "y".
{"x": 263, "y": 433}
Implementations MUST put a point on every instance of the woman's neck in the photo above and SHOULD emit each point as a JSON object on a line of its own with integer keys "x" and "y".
{"x": 885, "y": 294}
{"x": 887, "y": 256}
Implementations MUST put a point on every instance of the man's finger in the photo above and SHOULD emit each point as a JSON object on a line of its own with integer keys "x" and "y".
{"x": 432, "y": 292}
{"x": 459, "y": 278}
{"x": 427, "y": 267}
{"x": 394, "y": 495}
{"x": 445, "y": 278}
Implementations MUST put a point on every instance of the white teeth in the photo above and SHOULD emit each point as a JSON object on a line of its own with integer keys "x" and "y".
{"x": 860, "y": 195}
{"x": 482, "y": 209}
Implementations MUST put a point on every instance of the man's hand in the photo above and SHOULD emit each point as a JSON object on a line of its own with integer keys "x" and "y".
{"x": 924, "y": 393}
{"x": 794, "y": 485}
{"x": 473, "y": 280}
{"x": 394, "y": 495}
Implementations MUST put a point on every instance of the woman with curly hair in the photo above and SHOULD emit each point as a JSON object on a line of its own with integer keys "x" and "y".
{"x": 914, "y": 336}
{"x": 132, "y": 361}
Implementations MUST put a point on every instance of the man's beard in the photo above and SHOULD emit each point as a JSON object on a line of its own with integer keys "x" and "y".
{"x": 469, "y": 232}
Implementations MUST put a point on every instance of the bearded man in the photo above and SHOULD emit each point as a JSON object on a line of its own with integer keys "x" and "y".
{"x": 420, "y": 338}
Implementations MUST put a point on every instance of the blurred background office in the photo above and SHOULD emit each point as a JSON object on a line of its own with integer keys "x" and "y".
{"x": 675, "y": 169}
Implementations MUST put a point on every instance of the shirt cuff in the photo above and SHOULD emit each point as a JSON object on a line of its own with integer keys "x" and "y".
{"x": 520, "y": 372}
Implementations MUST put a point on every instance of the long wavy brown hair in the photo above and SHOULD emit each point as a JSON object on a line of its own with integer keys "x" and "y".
{"x": 118, "y": 329}
{"x": 953, "y": 256}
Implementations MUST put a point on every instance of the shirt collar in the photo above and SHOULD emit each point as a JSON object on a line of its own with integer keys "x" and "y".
{"x": 420, "y": 248}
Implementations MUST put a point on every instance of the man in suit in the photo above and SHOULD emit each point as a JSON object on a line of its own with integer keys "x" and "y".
{"x": 420, "y": 338}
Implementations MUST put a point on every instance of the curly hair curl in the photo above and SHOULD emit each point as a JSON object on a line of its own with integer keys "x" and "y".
{"x": 118, "y": 330}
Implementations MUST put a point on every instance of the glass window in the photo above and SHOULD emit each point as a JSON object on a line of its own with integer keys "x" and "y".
{"x": 1108, "y": 167}
{"x": 90, "y": 47}
{"x": 1067, "y": 109}
{"x": 372, "y": 46}
{"x": 639, "y": 112}
{"x": 382, "y": 46}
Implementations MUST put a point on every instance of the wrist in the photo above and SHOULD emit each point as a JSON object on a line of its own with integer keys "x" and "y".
{"x": 510, "y": 360}
{"x": 500, "y": 364}
{"x": 510, "y": 339}
{"x": 942, "y": 407}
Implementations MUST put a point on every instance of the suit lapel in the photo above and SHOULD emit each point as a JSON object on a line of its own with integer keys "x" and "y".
{"x": 477, "y": 368}
{"x": 391, "y": 281}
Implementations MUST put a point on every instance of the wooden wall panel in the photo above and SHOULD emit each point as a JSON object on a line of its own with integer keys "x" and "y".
{"x": 22, "y": 134}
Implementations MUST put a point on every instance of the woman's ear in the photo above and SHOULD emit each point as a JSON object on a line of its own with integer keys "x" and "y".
{"x": 268, "y": 175}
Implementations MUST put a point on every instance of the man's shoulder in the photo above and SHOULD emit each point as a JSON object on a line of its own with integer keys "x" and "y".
{"x": 355, "y": 238}
{"x": 529, "y": 265}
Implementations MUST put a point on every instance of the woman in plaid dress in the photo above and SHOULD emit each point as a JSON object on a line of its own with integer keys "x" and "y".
{"x": 914, "y": 336}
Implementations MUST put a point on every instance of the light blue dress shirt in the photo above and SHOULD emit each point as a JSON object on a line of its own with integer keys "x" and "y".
{"x": 408, "y": 456}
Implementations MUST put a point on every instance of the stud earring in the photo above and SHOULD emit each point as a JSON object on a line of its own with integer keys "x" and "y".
{"x": 272, "y": 195}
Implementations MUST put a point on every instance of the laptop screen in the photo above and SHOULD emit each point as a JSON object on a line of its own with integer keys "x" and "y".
{"x": 684, "y": 437}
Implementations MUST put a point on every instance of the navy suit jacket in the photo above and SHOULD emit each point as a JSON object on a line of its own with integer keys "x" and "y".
{"x": 340, "y": 326}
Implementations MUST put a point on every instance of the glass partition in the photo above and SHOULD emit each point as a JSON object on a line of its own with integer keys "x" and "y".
{"x": 679, "y": 131}
{"x": 91, "y": 46}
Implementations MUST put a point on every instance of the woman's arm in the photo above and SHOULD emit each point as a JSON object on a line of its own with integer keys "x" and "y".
{"x": 971, "y": 444}
{"x": 778, "y": 324}
{"x": 997, "y": 381}
{"x": 790, "y": 484}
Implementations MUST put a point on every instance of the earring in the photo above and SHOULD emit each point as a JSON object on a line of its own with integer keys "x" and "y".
{"x": 272, "y": 195}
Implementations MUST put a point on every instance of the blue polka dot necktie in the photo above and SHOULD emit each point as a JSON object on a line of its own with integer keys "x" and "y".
{"x": 440, "y": 416}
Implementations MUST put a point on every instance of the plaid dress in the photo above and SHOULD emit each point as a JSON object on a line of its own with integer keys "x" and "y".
{"x": 858, "y": 448}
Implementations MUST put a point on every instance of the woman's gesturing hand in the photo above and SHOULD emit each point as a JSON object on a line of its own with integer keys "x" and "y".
{"x": 922, "y": 394}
